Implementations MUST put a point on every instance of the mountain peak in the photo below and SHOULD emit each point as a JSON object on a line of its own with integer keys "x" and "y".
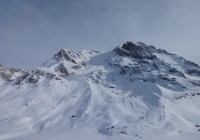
{"x": 66, "y": 54}
{"x": 138, "y": 50}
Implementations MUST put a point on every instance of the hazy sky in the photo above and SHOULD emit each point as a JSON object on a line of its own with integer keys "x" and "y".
{"x": 31, "y": 31}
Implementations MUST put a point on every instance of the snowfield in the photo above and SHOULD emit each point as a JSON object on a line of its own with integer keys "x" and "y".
{"x": 133, "y": 92}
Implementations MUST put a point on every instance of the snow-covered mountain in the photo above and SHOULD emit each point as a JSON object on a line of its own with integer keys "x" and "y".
{"x": 133, "y": 92}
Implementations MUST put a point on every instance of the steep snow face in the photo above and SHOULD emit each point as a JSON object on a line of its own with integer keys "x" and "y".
{"x": 134, "y": 91}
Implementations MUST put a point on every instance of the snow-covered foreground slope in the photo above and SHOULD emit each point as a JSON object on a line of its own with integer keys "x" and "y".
{"x": 133, "y": 92}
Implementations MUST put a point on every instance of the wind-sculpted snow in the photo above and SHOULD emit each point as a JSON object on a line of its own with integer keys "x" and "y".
{"x": 133, "y": 92}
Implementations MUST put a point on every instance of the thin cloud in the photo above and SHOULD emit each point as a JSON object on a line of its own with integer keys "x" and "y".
{"x": 33, "y": 30}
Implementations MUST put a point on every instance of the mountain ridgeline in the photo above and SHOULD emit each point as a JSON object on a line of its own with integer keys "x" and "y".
{"x": 139, "y": 61}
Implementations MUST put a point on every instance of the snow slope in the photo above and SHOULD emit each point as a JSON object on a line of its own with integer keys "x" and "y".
{"x": 133, "y": 92}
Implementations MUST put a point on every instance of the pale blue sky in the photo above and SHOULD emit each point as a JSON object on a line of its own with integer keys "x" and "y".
{"x": 31, "y": 31}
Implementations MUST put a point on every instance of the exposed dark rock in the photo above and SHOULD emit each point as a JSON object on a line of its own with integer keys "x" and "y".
{"x": 121, "y": 52}
{"x": 164, "y": 78}
{"x": 63, "y": 70}
{"x": 174, "y": 71}
{"x": 191, "y": 63}
{"x": 6, "y": 76}
{"x": 22, "y": 78}
{"x": 124, "y": 70}
{"x": 155, "y": 66}
{"x": 124, "y": 131}
{"x": 186, "y": 95}
{"x": 51, "y": 75}
{"x": 57, "y": 78}
{"x": 151, "y": 48}
{"x": 112, "y": 127}
{"x": 131, "y": 46}
{"x": 130, "y": 69}
{"x": 144, "y": 61}
{"x": 130, "y": 49}
{"x": 194, "y": 72}
{"x": 162, "y": 51}
{"x": 136, "y": 70}
{"x": 66, "y": 55}
{"x": 76, "y": 67}
{"x": 196, "y": 83}
{"x": 13, "y": 70}
{"x": 32, "y": 79}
